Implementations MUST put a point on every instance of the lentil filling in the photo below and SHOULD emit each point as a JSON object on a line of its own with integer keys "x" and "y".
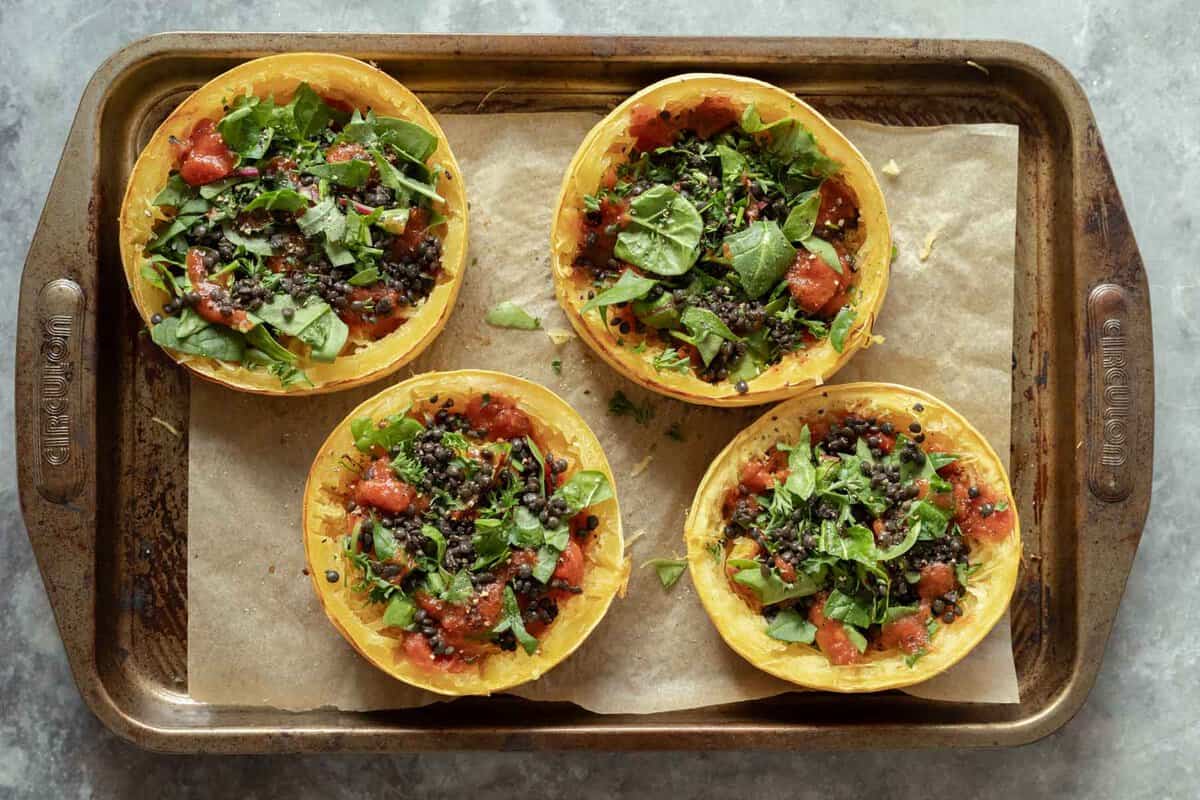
{"x": 464, "y": 531}
{"x": 858, "y": 536}
{"x": 723, "y": 241}
{"x": 294, "y": 231}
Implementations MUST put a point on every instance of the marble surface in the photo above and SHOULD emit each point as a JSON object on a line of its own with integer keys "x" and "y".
{"x": 1137, "y": 737}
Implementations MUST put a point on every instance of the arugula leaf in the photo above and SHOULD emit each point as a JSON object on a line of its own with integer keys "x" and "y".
{"x": 803, "y": 218}
{"x": 629, "y": 286}
{"x": 396, "y": 430}
{"x": 309, "y": 113}
{"x": 792, "y": 142}
{"x": 512, "y": 621}
{"x": 213, "y": 341}
{"x": 246, "y": 128}
{"x": 323, "y": 218}
{"x": 177, "y": 226}
{"x": 663, "y": 235}
{"x": 823, "y": 250}
{"x": 840, "y": 327}
{"x": 760, "y": 254}
{"x": 278, "y": 200}
{"x": 802, "y": 473}
{"x": 705, "y": 331}
{"x": 583, "y": 489}
{"x": 405, "y": 137}
{"x": 215, "y": 189}
{"x": 847, "y": 608}
{"x": 400, "y": 612}
{"x": 510, "y": 315}
{"x": 790, "y": 626}
{"x": 894, "y": 613}
{"x": 352, "y": 173}
{"x": 771, "y": 588}
{"x": 669, "y": 570}
{"x": 937, "y": 460}
{"x": 175, "y": 193}
{"x": 394, "y": 179}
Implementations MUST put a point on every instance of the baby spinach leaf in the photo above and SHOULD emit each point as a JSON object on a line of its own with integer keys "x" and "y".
{"x": 932, "y": 518}
{"x": 705, "y": 331}
{"x": 663, "y": 235}
{"x": 792, "y": 142}
{"x": 460, "y": 588}
{"x": 585, "y": 488}
{"x": 352, "y": 173}
{"x": 790, "y": 626}
{"x": 937, "y": 460}
{"x": 803, "y": 218}
{"x": 669, "y": 570}
{"x": 282, "y": 312}
{"x": 490, "y": 542}
{"x": 733, "y": 166}
{"x": 903, "y": 546}
{"x": 326, "y": 337}
{"x": 278, "y": 200}
{"x": 512, "y": 621}
{"x": 215, "y": 189}
{"x": 771, "y": 588}
{"x": 752, "y": 362}
{"x": 177, "y": 226}
{"x": 840, "y": 327}
{"x": 439, "y": 541}
{"x": 761, "y": 255}
{"x": 406, "y": 137}
{"x": 547, "y": 562}
{"x": 214, "y": 341}
{"x": 860, "y": 641}
{"x": 510, "y": 315}
{"x": 189, "y": 323}
{"x": 847, "y": 608}
{"x": 245, "y": 128}
{"x": 365, "y": 277}
{"x": 629, "y": 286}
{"x": 175, "y": 193}
{"x": 526, "y": 531}
{"x": 261, "y": 338}
{"x": 400, "y": 612}
{"x": 658, "y": 313}
{"x": 385, "y": 543}
{"x": 823, "y": 250}
{"x": 259, "y": 246}
{"x": 855, "y": 543}
{"x": 802, "y": 473}
{"x": 671, "y": 360}
{"x": 395, "y": 430}
{"x": 894, "y": 613}
{"x": 309, "y": 113}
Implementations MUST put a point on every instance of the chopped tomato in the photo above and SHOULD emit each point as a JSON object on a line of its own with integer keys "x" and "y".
{"x": 570, "y": 566}
{"x": 380, "y": 488}
{"x": 879, "y": 528}
{"x": 346, "y": 151}
{"x": 373, "y": 324}
{"x": 204, "y": 158}
{"x": 650, "y": 128}
{"x": 812, "y": 282}
{"x": 711, "y": 116}
{"x": 786, "y": 570}
{"x": 839, "y": 207}
{"x": 757, "y": 476}
{"x": 598, "y": 234}
{"x": 499, "y": 418}
{"x": 886, "y": 442}
{"x": 214, "y": 304}
{"x": 968, "y": 511}
{"x": 936, "y": 580}
{"x": 907, "y": 633}
{"x": 832, "y": 637}
{"x": 415, "y": 648}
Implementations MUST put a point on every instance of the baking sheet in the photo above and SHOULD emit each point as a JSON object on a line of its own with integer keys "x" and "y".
{"x": 256, "y": 633}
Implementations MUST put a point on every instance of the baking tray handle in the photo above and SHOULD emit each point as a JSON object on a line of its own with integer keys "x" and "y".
{"x": 1116, "y": 392}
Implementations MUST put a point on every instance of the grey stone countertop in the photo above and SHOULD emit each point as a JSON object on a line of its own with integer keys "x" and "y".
{"x": 1138, "y": 735}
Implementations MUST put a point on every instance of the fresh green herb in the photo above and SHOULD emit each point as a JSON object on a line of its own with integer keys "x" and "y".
{"x": 583, "y": 489}
{"x": 823, "y": 250}
{"x": 856, "y": 637}
{"x": 789, "y": 626}
{"x": 671, "y": 360}
{"x": 214, "y": 341}
{"x": 629, "y": 286}
{"x": 767, "y": 585}
{"x": 392, "y": 432}
{"x": 841, "y": 326}
{"x": 509, "y": 315}
{"x": 802, "y": 219}
{"x": 511, "y": 620}
{"x": 663, "y": 235}
{"x": 400, "y": 612}
{"x": 760, "y": 254}
{"x": 669, "y": 570}
{"x": 621, "y": 406}
{"x": 556, "y": 365}
{"x": 705, "y": 331}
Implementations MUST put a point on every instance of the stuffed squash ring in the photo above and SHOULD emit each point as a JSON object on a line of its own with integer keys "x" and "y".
{"x": 296, "y": 225}
{"x": 856, "y": 538}
{"x": 718, "y": 241}
{"x": 462, "y": 531}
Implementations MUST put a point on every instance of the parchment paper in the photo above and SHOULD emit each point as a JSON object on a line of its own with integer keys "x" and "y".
{"x": 256, "y": 633}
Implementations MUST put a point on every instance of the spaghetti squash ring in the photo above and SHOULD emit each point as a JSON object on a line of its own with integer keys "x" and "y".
{"x": 462, "y": 531}
{"x": 296, "y": 225}
{"x": 856, "y": 538}
{"x": 718, "y": 241}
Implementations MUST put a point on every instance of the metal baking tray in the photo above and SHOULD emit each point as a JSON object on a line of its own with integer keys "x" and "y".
{"x": 104, "y": 488}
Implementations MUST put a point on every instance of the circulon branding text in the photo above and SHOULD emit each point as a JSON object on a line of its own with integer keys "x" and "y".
{"x": 1112, "y": 394}
{"x": 59, "y": 472}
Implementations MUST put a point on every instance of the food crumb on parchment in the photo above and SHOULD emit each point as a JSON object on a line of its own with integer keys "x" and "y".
{"x": 891, "y": 168}
{"x": 560, "y": 336}
{"x": 927, "y": 248}
{"x": 641, "y": 466}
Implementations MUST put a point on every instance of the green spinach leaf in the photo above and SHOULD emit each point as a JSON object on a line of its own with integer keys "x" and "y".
{"x": 629, "y": 286}
{"x": 663, "y": 235}
{"x": 761, "y": 255}
{"x": 790, "y": 626}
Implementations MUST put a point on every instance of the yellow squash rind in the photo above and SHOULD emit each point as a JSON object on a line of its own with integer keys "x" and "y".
{"x": 338, "y": 78}
{"x": 567, "y": 435}
{"x": 744, "y": 630}
{"x": 608, "y": 143}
